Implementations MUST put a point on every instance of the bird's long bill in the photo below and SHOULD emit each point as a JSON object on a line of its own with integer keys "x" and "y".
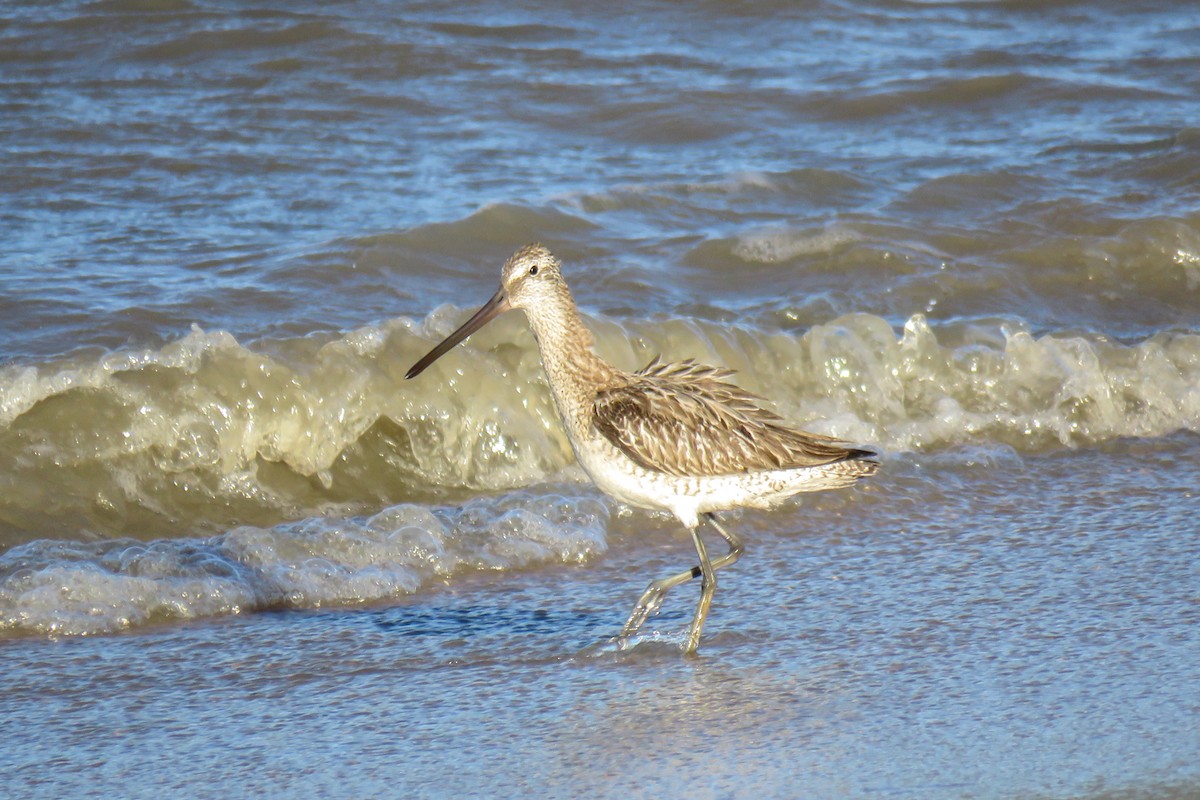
{"x": 491, "y": 309}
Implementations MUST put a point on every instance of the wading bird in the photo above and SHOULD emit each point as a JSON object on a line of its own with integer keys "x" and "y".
{"x": 673, "y": 437}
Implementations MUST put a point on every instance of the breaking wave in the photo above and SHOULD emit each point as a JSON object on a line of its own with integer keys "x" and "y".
{"x": 80, "y": 588}
{"x": 206, "y": 434}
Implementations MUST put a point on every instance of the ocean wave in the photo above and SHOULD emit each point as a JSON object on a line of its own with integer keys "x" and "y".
{"x": 220, "y": 434}
{"x": 996, "y": 91}
{"x": 81, "y": 588}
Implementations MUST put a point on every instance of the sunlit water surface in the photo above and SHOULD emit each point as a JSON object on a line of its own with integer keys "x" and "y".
{"x": 241, "y": 556}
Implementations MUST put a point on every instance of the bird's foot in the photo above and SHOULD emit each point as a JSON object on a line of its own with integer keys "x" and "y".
{"x": 647, "y": 606}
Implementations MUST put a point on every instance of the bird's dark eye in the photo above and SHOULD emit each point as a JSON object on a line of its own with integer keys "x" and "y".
{"x": 533, "y": 270}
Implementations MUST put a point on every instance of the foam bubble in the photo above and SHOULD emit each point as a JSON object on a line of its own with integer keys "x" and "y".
{"x": 76, "y": 588}
{"x": 960, "y": 384}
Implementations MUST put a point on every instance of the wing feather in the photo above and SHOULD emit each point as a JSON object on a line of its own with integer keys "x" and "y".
{"x": 687, "y": 419}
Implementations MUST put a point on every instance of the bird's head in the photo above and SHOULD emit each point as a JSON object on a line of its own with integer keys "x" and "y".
{"x": 531, "y": 277}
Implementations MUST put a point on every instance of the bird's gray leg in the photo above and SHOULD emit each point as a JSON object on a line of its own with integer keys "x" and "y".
{"x": 652, "y": 598}
{"x": 708, "y": 586}
{"x": 736, "y": 545}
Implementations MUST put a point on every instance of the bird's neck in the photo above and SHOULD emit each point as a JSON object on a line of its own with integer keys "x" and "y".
{"x": 573, "y": 369}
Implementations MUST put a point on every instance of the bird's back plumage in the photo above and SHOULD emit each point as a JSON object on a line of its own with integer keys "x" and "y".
{"x": 686, "y": 419}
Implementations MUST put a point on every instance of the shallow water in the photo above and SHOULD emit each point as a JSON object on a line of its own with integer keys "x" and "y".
{"x": 239, "y": 553}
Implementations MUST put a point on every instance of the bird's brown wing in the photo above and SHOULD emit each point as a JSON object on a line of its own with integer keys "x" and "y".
{"x": 686, "y": 419}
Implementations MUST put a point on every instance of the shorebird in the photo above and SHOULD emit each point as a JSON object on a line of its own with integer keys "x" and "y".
{"x": 672, "y": 437}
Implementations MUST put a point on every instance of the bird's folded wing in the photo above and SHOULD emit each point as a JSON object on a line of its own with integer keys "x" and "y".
{"x": 686, "y": 419}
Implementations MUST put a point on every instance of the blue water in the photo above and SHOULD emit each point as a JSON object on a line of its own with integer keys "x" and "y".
{"x": 240, "y": 554}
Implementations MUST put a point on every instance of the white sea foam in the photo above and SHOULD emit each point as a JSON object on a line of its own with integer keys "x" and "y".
{"x": 967, "y": 384}
{"x": 75, "y": 588}
{"x": 784, "y": 244}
